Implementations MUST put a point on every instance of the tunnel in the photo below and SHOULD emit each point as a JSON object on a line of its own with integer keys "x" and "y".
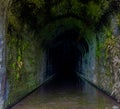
{"x": 64, "y": 57}
{"x": 55, "y": 41}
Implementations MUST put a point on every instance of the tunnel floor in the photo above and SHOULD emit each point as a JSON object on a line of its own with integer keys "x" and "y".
{"x": 64, "y": 95}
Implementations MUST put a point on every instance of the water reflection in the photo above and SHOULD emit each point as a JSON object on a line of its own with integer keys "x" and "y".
{"x": 59, "y": 94}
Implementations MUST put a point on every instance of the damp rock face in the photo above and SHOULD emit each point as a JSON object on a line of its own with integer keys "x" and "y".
{"x": 32, "y": 30}
{"x": 115, "y": 107}
{"x": 2, "y": 52}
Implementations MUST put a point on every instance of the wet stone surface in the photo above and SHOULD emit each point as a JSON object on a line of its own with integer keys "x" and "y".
{"x": 61, "y": 95}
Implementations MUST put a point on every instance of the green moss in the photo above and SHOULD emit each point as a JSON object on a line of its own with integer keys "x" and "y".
{"x": 95, "y": 10}
{"x": 32, "y": 24}
{"x": 21, "y": 61}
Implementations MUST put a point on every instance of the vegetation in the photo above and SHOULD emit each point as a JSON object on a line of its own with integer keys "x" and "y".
{"x": 32, "y": 24}
{"x": 112, "y": 46}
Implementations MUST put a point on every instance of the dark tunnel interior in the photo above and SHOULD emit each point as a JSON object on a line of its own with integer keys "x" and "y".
{"x": 64, "y": 57}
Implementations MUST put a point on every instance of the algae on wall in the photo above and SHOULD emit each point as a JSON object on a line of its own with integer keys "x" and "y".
{"x": 24, "y": 50}
{"x": 22, "y": 60}
{"x": 108, "y": 62}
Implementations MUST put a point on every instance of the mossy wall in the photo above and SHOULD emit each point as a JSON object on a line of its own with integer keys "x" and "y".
{"x": 104, "y": 69}
{"x": 34, "y": 24}
{"x": 24, "y": 60}
{"x": 108, "y": 63}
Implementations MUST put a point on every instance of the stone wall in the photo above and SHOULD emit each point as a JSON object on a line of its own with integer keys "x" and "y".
{"x": 24, "y": 63}
{"x": 101, "y": 65}
{"x": 89, "y": 59}
{"x": 2, "y": 68}
{"x": 25, "y": 58}
{"x": 2, "y": 65}
{"x": 3, "y": 14}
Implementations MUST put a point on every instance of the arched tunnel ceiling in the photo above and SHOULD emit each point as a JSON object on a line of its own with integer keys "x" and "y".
{"x": 48, "y": 19}
{"x": 37, "y": 13}
{"x": 51, "y": 17}
{"x": 71, "y": 35}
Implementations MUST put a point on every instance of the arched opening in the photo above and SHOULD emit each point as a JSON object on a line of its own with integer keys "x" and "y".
{"x": 64, "y": 57}
{"x": 24, "y": 60}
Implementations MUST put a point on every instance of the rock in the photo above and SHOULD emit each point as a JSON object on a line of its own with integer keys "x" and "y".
{"x": 115, "y": 107}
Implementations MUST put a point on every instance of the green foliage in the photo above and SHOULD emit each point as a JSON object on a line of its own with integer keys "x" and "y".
{"x": 38, "y": 3}
{"x": 38, "y": 13}
{"x": 32, "y": 23}
{"x": 108, "y": 58}
{"x": 20, "y": 48}
{"x": 112, "y": 46}
{"x": 95, "y": 10}
{"x": 118, "y": 20}
{"x": 99, "y": 50}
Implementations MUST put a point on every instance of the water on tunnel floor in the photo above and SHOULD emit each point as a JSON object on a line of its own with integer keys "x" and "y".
{"x": 58, "y": 94}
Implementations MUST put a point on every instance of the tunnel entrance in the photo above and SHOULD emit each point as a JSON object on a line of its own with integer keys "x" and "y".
{"x": 64, "y": 57}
